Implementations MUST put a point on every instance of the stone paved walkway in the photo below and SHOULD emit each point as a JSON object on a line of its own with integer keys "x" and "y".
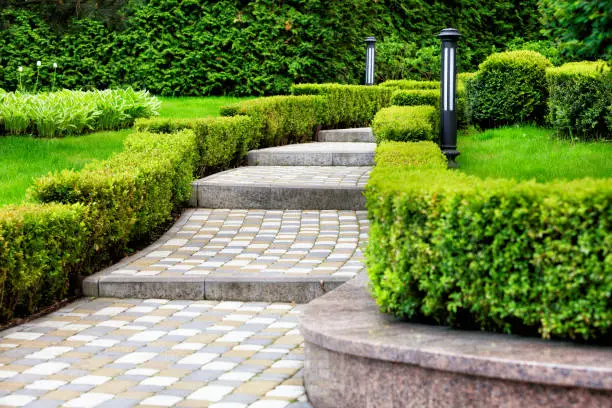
{"x": 114, "y": 353}
{"x": 259, "y": 244}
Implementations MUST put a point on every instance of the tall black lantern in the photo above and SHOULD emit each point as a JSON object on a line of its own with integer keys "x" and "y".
{"x": 448, "y": 91}
{"x": 370, "y": 60}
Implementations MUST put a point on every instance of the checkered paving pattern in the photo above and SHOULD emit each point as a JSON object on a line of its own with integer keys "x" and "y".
{"x": 326, "y": 176}
{"x": 259, "y": 244}
{"x": 112, "y": 353}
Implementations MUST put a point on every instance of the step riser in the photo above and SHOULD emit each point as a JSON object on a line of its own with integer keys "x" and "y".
{"x": 311, "y": 159}
{"x": 364, "y": 136}
{"x": 278, "y": 197}
{"x": 284, "y": 290}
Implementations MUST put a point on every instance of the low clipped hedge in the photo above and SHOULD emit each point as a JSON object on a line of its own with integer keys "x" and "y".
{"x": 90, "y": 218}
{"x": 347, "y": 106}
{"x": 580, "y": 99}
{"x": 411, "y": 84}
{"x": 281, "y": 119}
{"x": 405, "y": 123}
{"x": 223, "y": 142}
{"x": 510, "y": 87}
{"x": 41, "y": 248}
{"x": 412, "y": 97}
{"x": 495, "y": 254}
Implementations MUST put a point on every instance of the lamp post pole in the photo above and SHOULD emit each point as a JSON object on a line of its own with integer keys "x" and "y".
{"x": 448, "y": 92}
{"x": 370, "y": 60}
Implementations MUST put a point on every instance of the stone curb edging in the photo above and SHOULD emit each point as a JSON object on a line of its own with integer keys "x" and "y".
{"x": 359, "y": 329}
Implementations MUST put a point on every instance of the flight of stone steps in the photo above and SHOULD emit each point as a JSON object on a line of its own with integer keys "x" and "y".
{"x": 288, "y": 227}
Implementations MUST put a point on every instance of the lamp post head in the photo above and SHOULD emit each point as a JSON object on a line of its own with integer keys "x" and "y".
{"x": 449, "y": 34}
{"x": 370, "y": 40}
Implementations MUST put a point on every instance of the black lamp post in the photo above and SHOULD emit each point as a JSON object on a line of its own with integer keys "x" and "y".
{"x": 448, "y": 92}
{"x": 370, "y": 60}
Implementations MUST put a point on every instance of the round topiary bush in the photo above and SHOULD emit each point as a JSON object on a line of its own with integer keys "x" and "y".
{"x": 510, "y": 87}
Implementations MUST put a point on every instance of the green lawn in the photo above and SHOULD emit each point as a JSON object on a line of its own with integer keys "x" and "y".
{"x": 194, "y": 107}
{"x": 23, "y": 158}
{"x": 529, "y": 152}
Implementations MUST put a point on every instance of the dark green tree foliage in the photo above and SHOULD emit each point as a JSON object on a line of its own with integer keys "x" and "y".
{"x": 582, "y": 27}
{"x": 197, "y": 47}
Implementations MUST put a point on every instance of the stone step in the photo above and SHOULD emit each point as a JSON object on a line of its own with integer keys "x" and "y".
{"x": 347, "y": 135}
{"x": 244, "y": 255}
{"x": 315, "y": 154}
{"x": 280, "y": 187}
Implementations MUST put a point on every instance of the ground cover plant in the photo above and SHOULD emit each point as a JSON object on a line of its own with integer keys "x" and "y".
{"x": 529, "y": 152}
{"x": 57, "y": 114}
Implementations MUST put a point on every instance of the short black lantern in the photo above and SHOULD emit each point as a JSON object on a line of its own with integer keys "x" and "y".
{"x": 370, "y": 60}
{"x": 448, "y": 91}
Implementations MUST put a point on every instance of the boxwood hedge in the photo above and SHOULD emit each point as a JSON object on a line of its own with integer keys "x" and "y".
{"x": 405, "y": 123}
{"x": 510, "y": 87}
{"x": 580, "y": 98}
{"x": 493, "y": 254}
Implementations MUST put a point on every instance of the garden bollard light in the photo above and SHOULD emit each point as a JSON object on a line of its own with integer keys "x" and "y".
{"x": 370, "y": 59}
{"x": 448, "y": 92}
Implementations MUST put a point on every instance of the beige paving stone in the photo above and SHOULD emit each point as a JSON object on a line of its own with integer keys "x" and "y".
{"x": 256, "y": 387}
{"x": 114, "y": 387}
{"x": 62, "y": 395}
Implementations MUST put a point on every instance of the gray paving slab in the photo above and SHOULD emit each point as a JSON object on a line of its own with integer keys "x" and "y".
{"x": 282, "y": 187}
{"x": 363, "y": 135}
{"x": 315, "y": 154}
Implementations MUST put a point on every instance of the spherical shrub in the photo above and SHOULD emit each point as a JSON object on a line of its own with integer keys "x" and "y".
{"x": 510, "y": 87}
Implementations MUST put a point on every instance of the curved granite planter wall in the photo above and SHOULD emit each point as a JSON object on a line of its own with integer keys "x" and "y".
{"x": 358, "y": 357}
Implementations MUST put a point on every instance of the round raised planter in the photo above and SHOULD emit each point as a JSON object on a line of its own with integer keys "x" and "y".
{"x": 359, "y": 357}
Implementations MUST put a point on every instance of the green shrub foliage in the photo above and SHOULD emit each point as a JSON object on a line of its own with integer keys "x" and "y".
{"x": 42, "y": 247}
{"x": 416, "y": 97}
{"x": 347, "y": 105}
{"x": 222, "y": 142}
{"x": 134, "y": 192}
{"x": 411, "y": 84}
{"x": 180, "y": 47}
{"x": 405, "y": 123}
{"x": 580, "y": 96}
{"x": 66, "y": 112}
{"x": 581, "y": 27}
{"x": 490, "y": 254}
{"x": 510, "y": 87}
{"x": 281, "y": 119}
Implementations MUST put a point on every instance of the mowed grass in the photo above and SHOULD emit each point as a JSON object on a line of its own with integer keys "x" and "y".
{"x": 23, "y": 159}
{"x": 194, "y": 107}
{"x": 529, "y": 152}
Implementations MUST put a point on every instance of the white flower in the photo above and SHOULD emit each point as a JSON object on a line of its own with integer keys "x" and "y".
{"x": 38, "y": 63}
{"x": 20, "y": 69}
{"x": 55, "y": 65}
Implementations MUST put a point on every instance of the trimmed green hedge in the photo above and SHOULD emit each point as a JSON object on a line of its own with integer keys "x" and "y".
{"x": 281, "y": 119}
{"x": 491, "y": 254}
{"x": 510, "y": 87}
{"x": 411, "y": 84}
{"x": 580, "y": 98}
{"x": 41, "y": 248}
{"x": 347, "y": 105}
{"x": 222, "y": 141}
{"x": 405, "y": 123}
{"x": 412, "y": 97}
